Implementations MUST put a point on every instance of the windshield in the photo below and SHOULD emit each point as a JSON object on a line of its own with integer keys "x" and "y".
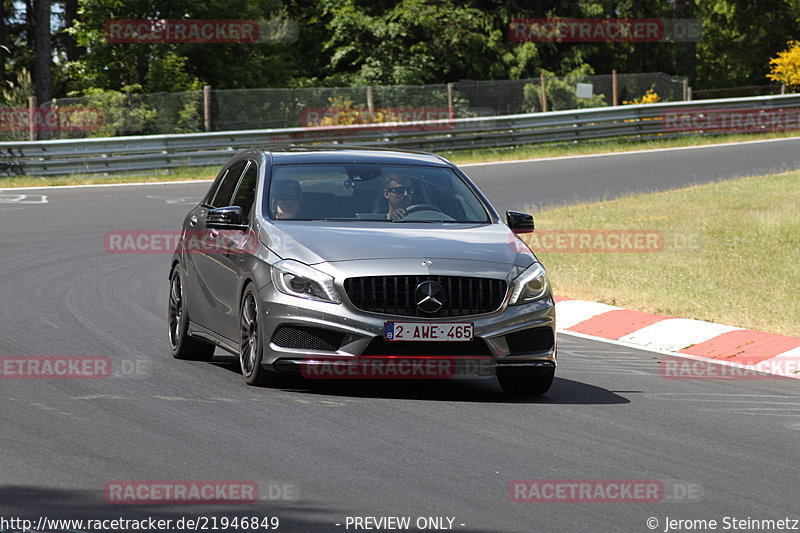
{"x": 371, "y": 192}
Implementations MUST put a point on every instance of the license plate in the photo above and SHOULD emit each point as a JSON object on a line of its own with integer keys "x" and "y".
{"x": 428, "y": 331}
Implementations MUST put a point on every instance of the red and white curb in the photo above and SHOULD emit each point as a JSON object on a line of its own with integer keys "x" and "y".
{"x": 681, "y": 337}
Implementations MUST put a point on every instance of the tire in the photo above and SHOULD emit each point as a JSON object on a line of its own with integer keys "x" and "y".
{"x": 181, "y": 344}
{"x": 251, "y": 342}
{"x": 526, "y": 382}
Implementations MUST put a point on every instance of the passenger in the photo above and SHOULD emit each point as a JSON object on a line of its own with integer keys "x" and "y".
{"x": 287, "y": 199}
{"x": 399, "y": 192}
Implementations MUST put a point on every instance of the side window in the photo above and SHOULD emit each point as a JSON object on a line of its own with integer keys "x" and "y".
{"x": 214, "y": 186}
{"x": 246, "y": 192}
{"x": 225, "y": 191}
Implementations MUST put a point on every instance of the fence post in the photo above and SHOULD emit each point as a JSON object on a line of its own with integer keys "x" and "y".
{"x": 685, "y": 83}
{"x": 32, "y": 118}
{"x": 543, "y": 85}
{"x": 783, "y": 88}
{"x": 451, "y": 105}
{"x": 370, "y": 102}
{"x": 207, "y": 107}
{"x": 615, "y": 94}
{"x": 55, "y": 131}
{"x": 689, "y": 93}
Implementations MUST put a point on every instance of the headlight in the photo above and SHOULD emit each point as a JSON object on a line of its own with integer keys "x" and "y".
{"x": 297, "y": 279}
{"x": 530, "y": 285}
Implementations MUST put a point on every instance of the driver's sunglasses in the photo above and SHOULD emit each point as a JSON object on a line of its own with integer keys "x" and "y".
{"x": 400, "y": 190}
{"x": 289, "y": 198}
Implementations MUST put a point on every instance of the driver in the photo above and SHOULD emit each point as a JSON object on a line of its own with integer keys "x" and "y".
{"x": 287, "y": 199}
{"x": 399, "y": 192}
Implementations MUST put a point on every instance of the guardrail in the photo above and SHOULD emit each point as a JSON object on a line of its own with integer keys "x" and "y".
{"x": 152, "y": 152}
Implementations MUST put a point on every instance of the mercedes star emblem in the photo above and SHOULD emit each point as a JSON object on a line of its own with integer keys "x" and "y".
{"x": 430, "y": 297}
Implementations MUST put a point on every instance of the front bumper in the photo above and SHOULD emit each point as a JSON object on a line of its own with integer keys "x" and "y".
{"x": 314, "y": 337}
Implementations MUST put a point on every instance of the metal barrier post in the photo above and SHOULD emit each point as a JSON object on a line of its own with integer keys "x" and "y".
{"x": 207, "y": 107}
{"x": 32, "y": 118}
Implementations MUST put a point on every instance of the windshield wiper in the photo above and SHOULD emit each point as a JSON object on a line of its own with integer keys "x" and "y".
{"x": 404, "y": 221}
{"x": 354, "y": 220}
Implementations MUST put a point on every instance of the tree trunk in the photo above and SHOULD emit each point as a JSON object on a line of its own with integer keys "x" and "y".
{"x": 74, "y": 52}
{"x": 43, "y": 54}
{"x": 3, "y": 52}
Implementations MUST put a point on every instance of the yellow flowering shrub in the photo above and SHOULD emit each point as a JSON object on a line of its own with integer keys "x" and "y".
{"x": 785, "y": 68}
{"x": 342, "y": 113}
{"x": 650, "y": 97}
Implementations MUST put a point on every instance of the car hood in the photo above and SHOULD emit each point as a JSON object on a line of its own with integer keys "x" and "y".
{"x": 315, "y": 242}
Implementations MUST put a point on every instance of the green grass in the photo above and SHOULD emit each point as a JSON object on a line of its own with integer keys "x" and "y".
{"x": 731, "y": 253}
{"x": 460, "y": 157}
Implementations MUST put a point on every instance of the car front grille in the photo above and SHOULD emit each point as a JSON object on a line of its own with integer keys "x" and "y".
{"x": 396, "y": 295}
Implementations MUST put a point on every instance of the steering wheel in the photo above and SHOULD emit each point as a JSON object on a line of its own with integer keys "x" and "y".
{"x": 421, "y": 207}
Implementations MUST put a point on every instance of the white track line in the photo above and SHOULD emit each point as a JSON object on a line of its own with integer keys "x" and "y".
{"x": 761, "y": 367}
{"x": 633, "y": 152}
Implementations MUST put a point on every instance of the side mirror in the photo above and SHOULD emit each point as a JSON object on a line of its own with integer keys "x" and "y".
{"x": 519, "y": 222}
{"x": 225, "y": 218}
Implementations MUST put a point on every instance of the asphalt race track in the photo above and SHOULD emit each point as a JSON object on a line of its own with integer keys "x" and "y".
{"x": 564, "y": 181}
{"x": 322, "y": 452}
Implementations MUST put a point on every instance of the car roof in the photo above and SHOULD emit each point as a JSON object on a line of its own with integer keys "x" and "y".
{"x": 292, "y": 155}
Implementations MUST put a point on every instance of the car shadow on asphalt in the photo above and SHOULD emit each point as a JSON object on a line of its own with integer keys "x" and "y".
{"x": 563, "y": 391}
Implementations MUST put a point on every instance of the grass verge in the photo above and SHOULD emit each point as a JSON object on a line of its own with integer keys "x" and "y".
{"x": 460, "y": 157}
{"x": 731, "y": 253}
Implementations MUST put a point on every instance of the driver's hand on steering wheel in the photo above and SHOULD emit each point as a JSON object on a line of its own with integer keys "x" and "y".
{"x": 396, "y": 214}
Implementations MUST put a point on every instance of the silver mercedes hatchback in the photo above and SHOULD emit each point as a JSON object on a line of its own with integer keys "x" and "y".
{"x": 352, "y": 263}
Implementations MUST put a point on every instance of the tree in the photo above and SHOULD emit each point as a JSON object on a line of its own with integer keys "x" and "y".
{"x": 738, "y": 37}
{"x": 4, "y": 51}
{"x": 786, "y": 66}
{"x": 411, "y": 42}
{"x": 14, "y": 53}
{"x": 73, "y": 51}
{"x": 163, "y": 66}
{"x": 43, "y": 51}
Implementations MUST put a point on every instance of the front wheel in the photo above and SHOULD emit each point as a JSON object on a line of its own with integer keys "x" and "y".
{"x": 251, "y": 342}
{"x": 526, "y": 382}
{"x": 182, "y": 345}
